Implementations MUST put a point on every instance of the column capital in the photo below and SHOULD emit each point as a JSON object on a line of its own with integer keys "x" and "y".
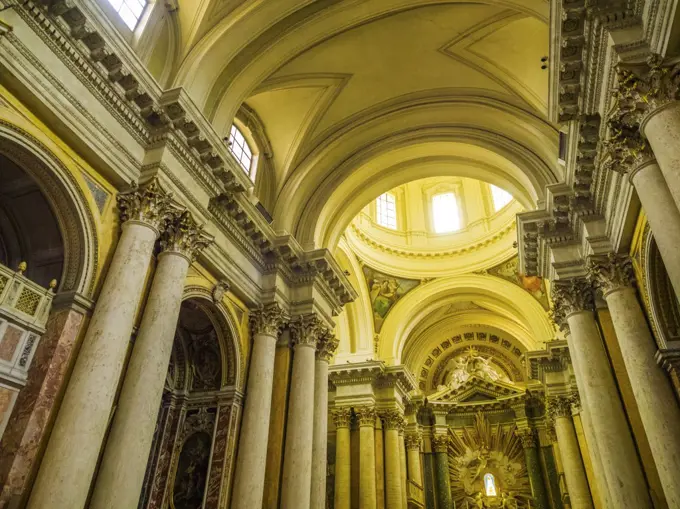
{"x": 325, "y": 348}
{"x": 267, "y": 320}
{"x": 365, "y": 415}
{"x": 560, "y": 406}
{"x": 305, "y": 330}
{"x": 414, "y": 440}
{"x": 341, "y": 417}
{"x": 645, "y": 88}
{"x": 148, "y": 204}
{"x": 393, "y": 419}
{"x": 611, "y": 272}
{"x": 569, "y": 297}
{"x": 440, "y": 443}
{"x": 527, "y": 436}
{"x": 626, "y": 148}
{"x": 184, "y": 236}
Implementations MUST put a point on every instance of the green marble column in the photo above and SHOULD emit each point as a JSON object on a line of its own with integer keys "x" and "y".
{"x": 440, "y": 445}
{"x": 533, "y": 461}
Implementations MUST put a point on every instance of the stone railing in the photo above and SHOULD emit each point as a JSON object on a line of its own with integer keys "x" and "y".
{"x": 24, "y": 308}
{"x": 415, "y": 495}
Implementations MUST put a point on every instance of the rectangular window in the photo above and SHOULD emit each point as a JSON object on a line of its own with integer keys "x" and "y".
{"x": 500, "y": 197}
{"x": 446, "y": 217}
{"x": 241, "y": 150}
{"x": 386, "y": 211}
{"x": 129, "y": 10}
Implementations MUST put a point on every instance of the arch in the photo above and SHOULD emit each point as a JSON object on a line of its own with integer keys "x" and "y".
{"x": 68, "y": 203}
{"x": 233, "y": 363}
{"x": 496, "y": 295}
{"x": 489, "y": 139}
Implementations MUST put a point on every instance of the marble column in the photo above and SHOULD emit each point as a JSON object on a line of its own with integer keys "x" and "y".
{"x": 367, "y": 494}
{"x": 646, "y": 97}
{"x": 379, "y": 465}
{"x": 654, "y": 396}
{"x": 630, "y": 153}
{"x": 80, "y": 427}
{"x": 393, "y": 421}
{"x": 440, "y": 445}
{"x": 341, "y": 419}
{"x": 402, "y": 464}
{"x": 413, "y": 442}
{"x": 534, "y": 471}
{"x": 252, "y": 451}
{"x": 573, "y": 305}
{"x": 559, "y": 408}
{"x": 324, "y": 351}
{"x": 297, "y": 460}
{"x": 121, "y": 473}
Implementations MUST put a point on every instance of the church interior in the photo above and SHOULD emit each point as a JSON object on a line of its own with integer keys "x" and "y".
{"x": 339, "y": 254}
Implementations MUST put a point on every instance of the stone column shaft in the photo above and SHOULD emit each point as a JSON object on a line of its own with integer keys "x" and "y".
{"x": 443, "y": 483}
{"x": 662, "y": 129}
{"x": 393, "y": 493}
{"x": 534, "y": 471}
{"x": 402, "y": 465}
{"x": 252, "y": 451}
{"x": 662, "y": 214}
{"x": 320, "y": 438}
{"x": 413, "y": 442}
{"x": 567, "y": 442}
{"x": 297, "y": 462}
{"x": 653, "y": 393}
{"x": 379, "y": 465}
{"x": 367, "y": 488}
{"x": 341, "y": 418}
{"x": 73, "y": 449}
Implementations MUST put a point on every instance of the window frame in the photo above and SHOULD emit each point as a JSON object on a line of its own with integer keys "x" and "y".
{"x": 249, "y": 142}
{"x": 130, "y": 35}
{"x": 387, "y": 194}
{"x": 493, "y": 199}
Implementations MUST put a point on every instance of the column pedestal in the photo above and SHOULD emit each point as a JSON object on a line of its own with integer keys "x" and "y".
{"x": 367, "y": 494}
{"x": 653, "y": 393}
{"x": 341, "y": 418}
{"x": 252, "y": 452}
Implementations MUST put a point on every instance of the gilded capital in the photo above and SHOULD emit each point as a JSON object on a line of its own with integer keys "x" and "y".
{"x": 326, "y": 346}
{"x": 527, "y": 436}
{"x": 183, "y": 235}
{"x": 365, "y": 415}
{"x": 570, "y": 297}
{"x": 149, "y": 204}
{"x": 626, "y": 149}
{"x": 342, "y": 417}
{"x": 440, "y": 443}
{"x": 611, "y": 272}
{"x": 267, "y": 320}
{"x": 413, "y": 440}
{"x": 393, "y": 419}
{"x": 559, "y": 406}
{"x": 305, "y": 330}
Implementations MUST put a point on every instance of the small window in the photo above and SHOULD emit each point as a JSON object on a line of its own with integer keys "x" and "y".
{"x": 446, "y": 217}
{"x": 241, "y": 150}
{"x": 490, "y": 485}
{"x": 500, "y": 198}
{"x": 129, "y": 11}
{"x": 386, "y": 211}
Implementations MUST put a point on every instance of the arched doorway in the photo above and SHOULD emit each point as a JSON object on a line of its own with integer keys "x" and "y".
{"x": 190, "y": 464}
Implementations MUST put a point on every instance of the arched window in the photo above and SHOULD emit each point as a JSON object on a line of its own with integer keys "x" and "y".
{"x": 129, "y": 11}
{"x": 490, "y": 485}
{"x": 445, "y": 214}
{"x": 386, "y": 211}
{"x": 238, "y": 145}
{"x": 500, "y": 198}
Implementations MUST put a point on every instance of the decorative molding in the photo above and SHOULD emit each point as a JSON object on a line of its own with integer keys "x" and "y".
{"x": 267, "y": 320}
{"x": 365, "y": 416}
{"x": 393, "y": 419}
{"x": 611, "y": 272}
{"x": 341, "y": 417}
{"x": 560, "y": 406}
{"x": 440, "y": 443}
{"x": 306, "y": 330}
{"x": 571, "y": 297}
{"x": 148, "y": 204}
{"x": 413, "y": 440}
{"x": 326, "y": 347}
{"x": 183, "y": 235}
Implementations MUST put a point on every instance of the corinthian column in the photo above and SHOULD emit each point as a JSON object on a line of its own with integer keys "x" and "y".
{"x": 440, "y": 444}
{"x": 647, "y": 96}
{"x": 559, "y": 408}
{"x": 297, "y": 462}
{"x": 252, "y": 451}
{"x": 341, "y": 419}
{"x": 324, "y": 352}
{"x": 413, "y": 442}
{"x": 600, "y": 398}
{"x": 533, "y": 462}
{"x": 121, "y": 473}
{"x": 367, "y": 494}
{"x": 70, "y": 459}
{"x": 393, "y": 421}
{"x": 630, "y": 153}
{"x": 653, "y": 393}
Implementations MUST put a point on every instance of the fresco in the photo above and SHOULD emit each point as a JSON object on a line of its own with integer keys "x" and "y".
{"x": 535, "y": 285}
{"x": 385, "y": 290}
